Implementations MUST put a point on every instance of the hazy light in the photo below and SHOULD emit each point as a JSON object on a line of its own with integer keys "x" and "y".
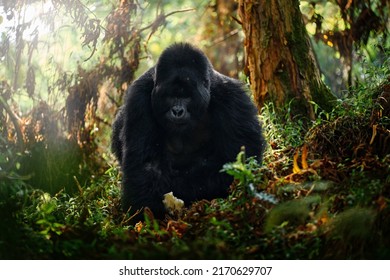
{"x": 35, "y": 18}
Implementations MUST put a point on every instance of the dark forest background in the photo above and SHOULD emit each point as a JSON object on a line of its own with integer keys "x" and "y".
{"x": 323, "y": 190}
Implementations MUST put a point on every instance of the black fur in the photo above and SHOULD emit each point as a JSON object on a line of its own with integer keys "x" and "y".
{"x": 180, "y": 123}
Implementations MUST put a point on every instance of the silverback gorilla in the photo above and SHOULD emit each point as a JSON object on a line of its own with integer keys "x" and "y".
{"x": 181, "y": 121}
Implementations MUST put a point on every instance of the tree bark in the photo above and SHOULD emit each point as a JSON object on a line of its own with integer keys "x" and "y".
{"x": 279, "y": 58}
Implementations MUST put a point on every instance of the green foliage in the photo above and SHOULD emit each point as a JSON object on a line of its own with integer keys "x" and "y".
{"x": 282, "y": 133}
{"x": 353, "y": 225}
{"x": 48, "y": 173}
{"x": 242, "y": 169}
{"x": 293, "y": 213}
{"x": 15, "y": 234}
{"x": 248, "y": 174}
{"x": 37, "y": 221}
{"x": 352, "y": 235}
{"x": 338, "y": 30}
{"x": 365, "y": 187}
{"x": 46, "y": 220}
{"x": 359, "y": 100}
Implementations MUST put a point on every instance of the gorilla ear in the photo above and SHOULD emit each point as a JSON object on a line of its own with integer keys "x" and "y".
{"x": 154, "y": 77}
{"x": 204, "y": 90}
{"x": 206, "y": 83}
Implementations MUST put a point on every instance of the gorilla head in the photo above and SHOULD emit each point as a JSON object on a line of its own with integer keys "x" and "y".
{"x": 181, "y": 93}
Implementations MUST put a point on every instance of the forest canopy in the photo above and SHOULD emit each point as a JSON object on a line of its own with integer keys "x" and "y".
{"x": 66, "y": 67}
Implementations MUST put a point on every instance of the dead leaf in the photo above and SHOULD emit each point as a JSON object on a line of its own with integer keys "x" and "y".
{"x": 296, "y": 168}
{"x": 381, "y": 201}
{"x": 177, "y": 227}
{"x": 304, "y": 158}
{"x": 373, "y": 133}
{"x": 138, "y": 227}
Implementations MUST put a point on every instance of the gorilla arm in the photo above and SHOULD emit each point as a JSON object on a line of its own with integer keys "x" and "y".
{"x": 235, "y": 120}
{"x": 143, "y": 181}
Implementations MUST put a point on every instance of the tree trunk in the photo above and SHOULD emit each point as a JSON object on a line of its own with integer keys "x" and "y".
{"x": 280, "y": 59}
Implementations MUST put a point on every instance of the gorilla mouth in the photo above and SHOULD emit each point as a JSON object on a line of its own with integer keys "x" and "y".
{"x": 178, "y": 122}
{"x": 178, "y": 125}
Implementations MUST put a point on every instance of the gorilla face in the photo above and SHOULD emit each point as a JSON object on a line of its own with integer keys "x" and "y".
{"x": 180, "y": 101}
{"x": 181, "y": 93}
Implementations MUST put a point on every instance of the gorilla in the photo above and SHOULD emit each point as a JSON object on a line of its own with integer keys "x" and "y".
{"x": 180, "y": 123}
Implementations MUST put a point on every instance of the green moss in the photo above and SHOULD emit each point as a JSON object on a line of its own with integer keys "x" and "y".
{"x": 322, "y": 95}
{"x": 298, "y": 40}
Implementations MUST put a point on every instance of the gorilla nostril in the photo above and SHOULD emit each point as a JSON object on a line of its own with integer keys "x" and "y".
{"x": 177, "y": 112}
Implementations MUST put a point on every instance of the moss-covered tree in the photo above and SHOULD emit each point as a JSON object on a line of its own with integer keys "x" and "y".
{"x": 279, "y": 58}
